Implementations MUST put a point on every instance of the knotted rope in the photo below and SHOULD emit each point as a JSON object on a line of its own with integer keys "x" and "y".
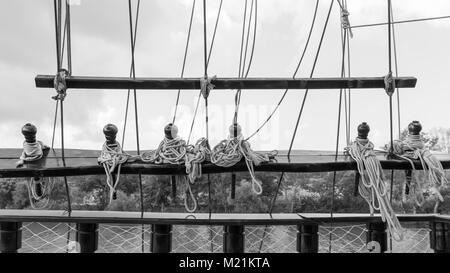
{"x": 175, "y": 151}
{"x": 206, "y": 86}
{"x": 373, "y": 187}
{"x": 413, "y": 148}
{"x": 60, "y": 84}
{"x": 111, "y": 158}
{"x": 229, "y": 152}
{"x": 389, "y": 84}
{"x": 38, "y": 191}
{"x": 195, "y": 156}
{"x": 345, "y": 21}
{"x": 171, "y": 151}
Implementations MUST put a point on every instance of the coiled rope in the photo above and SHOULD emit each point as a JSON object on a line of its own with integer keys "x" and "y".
{"x": 38, "y": 191}
{"x": 111, "y": 158}
{"x": 195, "y": 156}
{"x": 174, "y": 150}
{"x": 373, "y": 187}
{"x": 230, "y": 151}
{"x": 413, "y": 148}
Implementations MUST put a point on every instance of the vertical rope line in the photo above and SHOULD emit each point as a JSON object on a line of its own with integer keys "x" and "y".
{"x": 58, "y": 55}
{"x": 69, "y": 39}
{"x": 54, "y": 122}
{"x": 391, "y": 150}
{"x": 69, "y": 67}
{"x": 396, "y": 73}
{"x": 184, "y": 60}
{"x": 211, "y": 46}
{"x": 133, "y": 70}
{"x": 333, "y": 188}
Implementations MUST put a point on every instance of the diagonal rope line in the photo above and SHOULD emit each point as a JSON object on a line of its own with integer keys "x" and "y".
{"x": 133, "y": 70}
{"x": 280, "y": 180}
{"x": 184, "y": 60}
{"x": 295, "y": 74}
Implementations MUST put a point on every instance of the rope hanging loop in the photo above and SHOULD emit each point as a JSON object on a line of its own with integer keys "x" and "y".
{"x": 206, "y": 86}
{"x": 345, "y": 22}
{"x": 39, "y": 188}
{"x": 60, "y": 84}
{"x": 231, "y": 151}
{"x": 111, "y": 158}
{"x": 389, "y": 84}
{"x": 373, "y": 187}
{"x": 414, "y": 148}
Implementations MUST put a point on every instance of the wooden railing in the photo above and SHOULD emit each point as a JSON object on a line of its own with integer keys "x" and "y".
{"x": 87, "y": 223}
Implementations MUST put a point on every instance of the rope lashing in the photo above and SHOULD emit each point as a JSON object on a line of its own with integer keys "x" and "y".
{"x": 171, "y": 150}
{"x": 60, "y": 84}
{"x": 389, "y": 84}
{"x": 230, "y": 151}
{"x": 206, "y": 86}
{"x": 413, "y": 148}
{"x": 111, "y": 158}
{"x": 345, "y": 22}
{"x": 195, "y": 156}
{"x": 373, "y": 187}
{"x": 39, "y": 189}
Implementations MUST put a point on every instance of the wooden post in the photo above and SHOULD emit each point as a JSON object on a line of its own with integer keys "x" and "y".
{"x": 10, "y": 237}
{"x": 161, "y": 239}
{"x": 87, "y": 237}
{"x": 440, "y": 237}
{"x": 308, "y": 238}
{"x": 376, "y": 232}
{"x": 233, "y": 239}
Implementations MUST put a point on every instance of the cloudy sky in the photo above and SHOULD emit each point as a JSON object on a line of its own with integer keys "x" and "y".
{"x": 101, "y": 47}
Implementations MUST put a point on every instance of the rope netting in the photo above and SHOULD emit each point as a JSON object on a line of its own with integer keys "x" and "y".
{"x": 346, "y": 238}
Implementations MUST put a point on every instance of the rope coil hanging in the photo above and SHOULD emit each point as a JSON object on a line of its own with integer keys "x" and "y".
{"x": 413, "y": 148}
{"x": 231, "y": 151}
{"x": 174, "y": 150}
{"x": 39, "y": 189}
{"x": 111, "y": 158}
{"x": 373, "y": 187}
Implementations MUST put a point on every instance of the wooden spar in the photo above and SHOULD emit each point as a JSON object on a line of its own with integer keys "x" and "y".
{"x": 165, "y": 218}
{"x": 84, "y": 162}
{"x": 82, "y": 82}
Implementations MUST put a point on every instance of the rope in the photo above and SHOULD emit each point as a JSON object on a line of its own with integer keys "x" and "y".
{"x": 184, "y": 59}
{"x": 195, "y": 156}
{"x": 229, "y": 152}
{"x": 38, "y": 191}
{"x": 413, "y": 148}
{"x": 404, "y": 21}
{"x": 345, "y": 22}
{"x": 111, "y": 158}
{"x": 175, "y": 151}
{"x": 60, "y": 84}
{"x": 373, "y": 187}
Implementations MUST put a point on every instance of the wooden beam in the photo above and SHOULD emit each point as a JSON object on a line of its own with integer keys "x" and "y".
{"x": 218, "y": 219}
{"x": 167, "y": 169}
{"x": 82, "y": 82}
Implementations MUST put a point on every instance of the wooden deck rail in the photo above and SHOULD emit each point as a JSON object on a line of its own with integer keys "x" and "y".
{"x": 234, "y": 226}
